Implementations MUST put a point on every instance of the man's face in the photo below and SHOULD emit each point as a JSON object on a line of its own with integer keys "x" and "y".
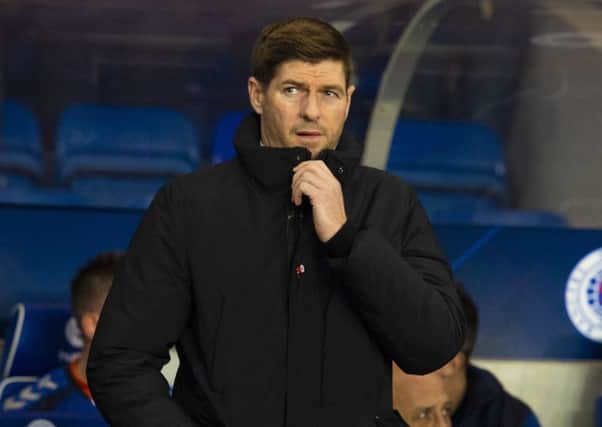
{"x": 423, "y": 400}
{"x": 305, "y": 105}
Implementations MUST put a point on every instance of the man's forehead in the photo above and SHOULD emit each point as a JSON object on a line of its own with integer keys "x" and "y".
{"x": 328, "y": 71}
{"x": 424, "y": 391}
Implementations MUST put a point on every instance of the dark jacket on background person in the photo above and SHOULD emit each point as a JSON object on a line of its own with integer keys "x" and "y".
{"x": 487, "y": 404}
{"x": 273, "y": 328}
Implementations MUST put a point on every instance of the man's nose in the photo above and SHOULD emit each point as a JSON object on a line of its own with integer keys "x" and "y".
{"x": 441, "y": 420}
{"x": 310, "y": 107}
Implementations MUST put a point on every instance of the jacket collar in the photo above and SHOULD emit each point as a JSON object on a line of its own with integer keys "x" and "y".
{"x": 482, "y": 388}
{"x": 272, "y": 166}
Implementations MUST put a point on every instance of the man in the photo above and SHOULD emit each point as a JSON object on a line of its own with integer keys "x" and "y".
{"x": 459, "y": 393}
{"x": 289, "y": 277}
{"x": 65, "y": 389}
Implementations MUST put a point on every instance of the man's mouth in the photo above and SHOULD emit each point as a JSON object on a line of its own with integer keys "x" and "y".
{"x": 309, "y": 133}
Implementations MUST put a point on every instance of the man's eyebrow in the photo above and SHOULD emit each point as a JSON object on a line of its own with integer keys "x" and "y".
{"x": 330, "y": 86}
{"x": 293, "y": 83}
{"x": 334, "y": 87}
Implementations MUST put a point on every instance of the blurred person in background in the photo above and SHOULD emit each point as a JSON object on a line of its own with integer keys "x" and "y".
{"x": 288, "y": 277}
{"x": 459, "y": 394}
{"x": 65, "y": 389}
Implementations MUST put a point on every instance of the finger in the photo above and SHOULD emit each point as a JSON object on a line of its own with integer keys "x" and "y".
{"x": 308, "y": 164}
{"x": 317, "y": 167}
{"x": 297, "y": 194}
{"x": 307, "y": 189}
{"x": 303, "y": 165}
{"x": 308, "y": 174}
{"x": 306, "y": 180}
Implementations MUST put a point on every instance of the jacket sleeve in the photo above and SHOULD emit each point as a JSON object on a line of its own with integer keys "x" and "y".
{"x": 143, "y": 315}
{"x": 405, "y": 298}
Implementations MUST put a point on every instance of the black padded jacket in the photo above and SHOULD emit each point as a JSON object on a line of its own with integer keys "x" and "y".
{"x": 273, "y": 328}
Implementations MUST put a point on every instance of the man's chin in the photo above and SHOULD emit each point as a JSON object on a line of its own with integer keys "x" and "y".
{"x": 314, "y": 148}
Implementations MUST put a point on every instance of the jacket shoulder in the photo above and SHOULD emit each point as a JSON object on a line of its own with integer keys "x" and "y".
{"x": 202, "y": 184}
{"x": 386, "y": 183}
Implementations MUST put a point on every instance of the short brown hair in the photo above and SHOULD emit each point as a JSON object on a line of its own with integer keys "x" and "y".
{"x": 306, "y": 39}
{"x": 91, "y": 284}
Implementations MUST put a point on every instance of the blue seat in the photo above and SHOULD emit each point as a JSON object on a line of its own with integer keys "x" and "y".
{"x": 439, "y": 205}
{"x": 467, "y": 209}
{"x": 518, "y": 218}
{"x": 223, "y": 147}
{"x": 120, "y": 156}
{"x": 39, "y": 196}
{"x": 20, "y": 147}
{"x": 598, "y": 412}
{"x": 448, "y": 156}
{"x": 116, "y": 192}
{"x": 49, "y": 419}
{"x": 39, "y": 338}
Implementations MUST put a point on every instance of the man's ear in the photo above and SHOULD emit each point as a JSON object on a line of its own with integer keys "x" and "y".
{"x": 255, "y": 94}
{"x": 453, "y": 366}
{"x": 88, "y": 322}
{"x": 350, "y": 91}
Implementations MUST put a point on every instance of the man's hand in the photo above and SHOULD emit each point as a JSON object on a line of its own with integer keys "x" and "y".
{"x": 313, "y": 179}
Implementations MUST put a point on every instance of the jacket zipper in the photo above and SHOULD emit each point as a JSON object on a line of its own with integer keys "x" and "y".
{"x": 294, "y": 217}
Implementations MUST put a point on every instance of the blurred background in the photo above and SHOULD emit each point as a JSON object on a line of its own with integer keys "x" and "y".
{"x": 492, "y": 109}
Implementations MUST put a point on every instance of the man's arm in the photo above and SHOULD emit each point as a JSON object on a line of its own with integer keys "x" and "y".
{"x": 143, "y": 315}
{"x": 406, "y": 299}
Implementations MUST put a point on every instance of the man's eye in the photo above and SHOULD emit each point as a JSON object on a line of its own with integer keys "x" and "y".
{"x": 423, "y": 414}
{"x": 331, "y": 93}
{"x": 291, "y": 90}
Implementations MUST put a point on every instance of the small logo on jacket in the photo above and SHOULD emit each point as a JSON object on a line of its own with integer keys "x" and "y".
{"x": 583, "y": 296}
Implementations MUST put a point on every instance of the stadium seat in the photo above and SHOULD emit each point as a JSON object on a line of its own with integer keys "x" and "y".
{"x": 39, "y": 338}
{"x": 448, "y": 156}
{"x": 120, "y": 156}
{"x": 457, "y": 204}
{"x": 466, "y": 208}
{"x": 517, "y": 217}
{"x": 223, "y": 147}
{"x": 20, "y": 147}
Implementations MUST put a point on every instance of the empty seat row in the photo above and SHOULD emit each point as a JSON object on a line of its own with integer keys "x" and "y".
{"x": 449, "y": 157}
{"x": 459, "y": 170}
{"x": 20, "y": 146}
{"x": 103, "y": 153}
{"x": 120, "y": 156}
